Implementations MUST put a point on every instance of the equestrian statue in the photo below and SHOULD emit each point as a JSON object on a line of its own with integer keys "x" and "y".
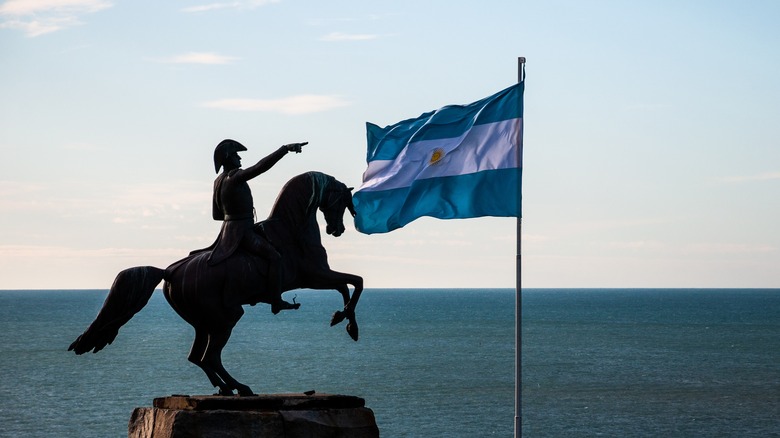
{"x": 249, "y": 263}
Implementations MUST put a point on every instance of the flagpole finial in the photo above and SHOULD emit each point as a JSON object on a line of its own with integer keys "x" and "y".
{"x": 520, "y": 69}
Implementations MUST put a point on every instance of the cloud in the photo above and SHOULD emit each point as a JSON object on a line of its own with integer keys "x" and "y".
{"x": 200, "y": 58}
{"x": 339, "y": 36}
{"x": 637, "y": 245}
{"x": 82, "y": 147}
{"x": 37, "y": 252}
{"x": 247, "y": 4}
{"x": 728, "y": 248}
{"x": 293, "y": 105}
{"x": 39, "y": 17}
{"x": 171, "y": 202}
{"x": 650, "y": 107}
{"x": 328, "y": 21}
{"x": 767, "y": 176}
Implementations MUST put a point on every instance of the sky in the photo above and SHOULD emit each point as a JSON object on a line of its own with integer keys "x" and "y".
{"x": 651, "y": 142}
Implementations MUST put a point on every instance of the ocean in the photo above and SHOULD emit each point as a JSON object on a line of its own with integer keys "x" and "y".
{"x": 430, "y": 363}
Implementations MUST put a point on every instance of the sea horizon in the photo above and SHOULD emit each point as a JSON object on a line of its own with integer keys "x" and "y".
{"x": 429, "y": 362}
{"x": 497, "y": 288}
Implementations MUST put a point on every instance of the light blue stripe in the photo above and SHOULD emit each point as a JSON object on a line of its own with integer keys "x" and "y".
{"x": 463, "y": 196}
{"x": 448, "y": 122}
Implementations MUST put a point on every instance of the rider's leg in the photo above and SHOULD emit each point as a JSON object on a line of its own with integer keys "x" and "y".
{"x": 257, "y": 245}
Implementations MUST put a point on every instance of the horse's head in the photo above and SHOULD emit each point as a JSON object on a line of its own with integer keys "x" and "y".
{"x": 336, "y": 199}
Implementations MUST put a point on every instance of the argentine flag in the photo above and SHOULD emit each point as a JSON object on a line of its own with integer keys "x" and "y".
{"x": 460, "y": 161}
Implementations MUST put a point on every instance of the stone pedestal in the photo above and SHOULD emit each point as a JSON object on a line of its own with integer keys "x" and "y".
{"x": 266, "y": 416}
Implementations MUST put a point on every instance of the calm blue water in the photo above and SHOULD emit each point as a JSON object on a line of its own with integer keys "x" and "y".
{"x": 430, "y": 363}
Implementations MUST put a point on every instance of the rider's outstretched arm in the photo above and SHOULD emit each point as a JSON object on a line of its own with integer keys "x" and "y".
{"x": 268, "y": 162}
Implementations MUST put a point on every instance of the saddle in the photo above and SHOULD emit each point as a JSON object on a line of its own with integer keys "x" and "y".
{"x": 244, "y": 274}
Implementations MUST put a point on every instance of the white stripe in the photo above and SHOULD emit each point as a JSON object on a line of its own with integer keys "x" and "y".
{"x": 483, "y": 147}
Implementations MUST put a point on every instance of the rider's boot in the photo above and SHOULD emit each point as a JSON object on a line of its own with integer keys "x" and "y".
{"x": 275, "y": 288}
{"x": 281, "y": 304}
{"x": 273, "y": 284}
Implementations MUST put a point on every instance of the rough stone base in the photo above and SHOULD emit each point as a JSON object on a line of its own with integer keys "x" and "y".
{"x": 266, "y": 416}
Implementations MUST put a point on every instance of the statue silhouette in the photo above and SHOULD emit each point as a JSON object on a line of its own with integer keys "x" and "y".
{"x": 209, "y": 295}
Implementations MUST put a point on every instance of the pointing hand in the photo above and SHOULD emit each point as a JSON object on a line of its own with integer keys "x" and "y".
{"x": 295, "y": 147}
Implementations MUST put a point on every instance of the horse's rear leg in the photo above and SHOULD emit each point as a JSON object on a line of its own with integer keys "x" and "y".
{"x": 212, "y": 360}
{"x": 196, "y": 356}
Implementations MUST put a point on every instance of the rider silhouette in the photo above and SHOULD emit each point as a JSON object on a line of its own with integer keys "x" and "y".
{"x": 233, "y": 204}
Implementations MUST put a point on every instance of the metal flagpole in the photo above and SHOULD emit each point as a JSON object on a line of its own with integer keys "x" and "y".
{"x": 518, "y": 284}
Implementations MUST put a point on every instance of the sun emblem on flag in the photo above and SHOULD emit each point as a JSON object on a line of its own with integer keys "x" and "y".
{"x": 436, "y": 156}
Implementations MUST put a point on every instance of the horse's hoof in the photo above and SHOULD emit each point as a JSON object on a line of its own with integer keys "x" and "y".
{"x": 352, "y": 329}
{"x": 245, "y": 392}
{"x": 225, "y": 392}
{"x": 337, "y": 318}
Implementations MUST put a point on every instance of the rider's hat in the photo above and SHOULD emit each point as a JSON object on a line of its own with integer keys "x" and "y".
{"x": 224, "y": 149}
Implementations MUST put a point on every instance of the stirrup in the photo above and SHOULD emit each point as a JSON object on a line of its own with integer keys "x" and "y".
{"x": 283, "y": 305}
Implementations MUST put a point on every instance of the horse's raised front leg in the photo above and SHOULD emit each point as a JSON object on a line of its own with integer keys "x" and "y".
{"x": 343, "y": 289}
{"x": 349, "y": 309}
{"x": 341, "y": 281}
{"x": 341, "y": 315}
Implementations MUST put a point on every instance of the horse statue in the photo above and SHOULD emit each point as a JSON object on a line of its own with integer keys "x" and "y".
{"x": 210, "y": 298}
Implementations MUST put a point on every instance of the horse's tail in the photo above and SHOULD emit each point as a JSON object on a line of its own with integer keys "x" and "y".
{"x": 129, "y": 294}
